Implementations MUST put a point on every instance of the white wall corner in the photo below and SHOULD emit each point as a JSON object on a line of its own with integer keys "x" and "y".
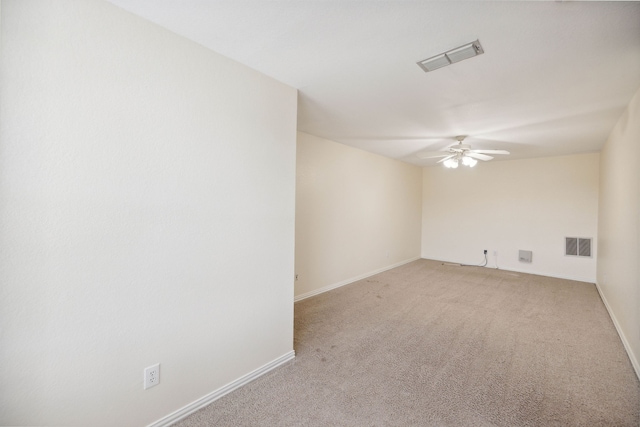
{"x": 627, "y": 346}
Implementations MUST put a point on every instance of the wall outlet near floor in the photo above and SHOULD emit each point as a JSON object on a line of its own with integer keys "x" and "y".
{"x": 495, "y": 253}
{"x": 151, "y": 376}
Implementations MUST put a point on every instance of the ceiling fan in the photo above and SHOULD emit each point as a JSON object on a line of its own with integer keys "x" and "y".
{"x": 460, "y": 153}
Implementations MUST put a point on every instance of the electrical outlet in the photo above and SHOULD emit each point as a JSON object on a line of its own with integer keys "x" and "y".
{"x": 152, "y": 376}
{"x": 485, "y": 251}
{"x": 495, "y": 253}
{"x": 296, "y": 277}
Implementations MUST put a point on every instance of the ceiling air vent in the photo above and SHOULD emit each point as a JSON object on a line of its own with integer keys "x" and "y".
{"x": 452, "y": 56}
{"x": 577, "y": 246}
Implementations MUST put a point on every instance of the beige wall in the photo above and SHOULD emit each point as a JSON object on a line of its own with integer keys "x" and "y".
{"x": 510, "y": 205}
{"x": 146, "y": 212}
{"x": 619, "y": 228}
{"x": 357, "y": 213}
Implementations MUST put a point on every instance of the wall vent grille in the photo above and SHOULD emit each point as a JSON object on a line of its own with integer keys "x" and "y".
{"x": 577, "y": 246}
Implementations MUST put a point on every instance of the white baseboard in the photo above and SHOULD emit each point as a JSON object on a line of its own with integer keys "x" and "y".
{"x": 217, "y": 394}
{"x": 555, "y": 276}
{"x": 536, "y": 273}
{"x": 625, "y": 342}
{"x": 350, "y": 280}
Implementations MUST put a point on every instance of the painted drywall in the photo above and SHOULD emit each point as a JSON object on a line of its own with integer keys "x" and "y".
{"x": 357, "y": 213}
{"x": 619, "y": 228}
{"x": 507, "y": 206}
{"x": 147, "y": 196}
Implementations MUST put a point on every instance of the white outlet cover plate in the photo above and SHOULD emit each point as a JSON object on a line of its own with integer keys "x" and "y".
{"x": 152, "y": 376}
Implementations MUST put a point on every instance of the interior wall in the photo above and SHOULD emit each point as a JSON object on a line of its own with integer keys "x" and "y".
{"x": 512, "y": 205}
{"x": 147, "y": 216}
{"x": 619, "y": 228}
{"x": 357, "y": 213}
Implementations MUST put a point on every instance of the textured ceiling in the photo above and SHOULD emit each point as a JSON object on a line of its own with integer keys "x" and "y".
{"x": 554, "y": 79}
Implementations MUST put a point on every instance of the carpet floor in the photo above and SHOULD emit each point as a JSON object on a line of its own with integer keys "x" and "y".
{"x": 431, "y": 344}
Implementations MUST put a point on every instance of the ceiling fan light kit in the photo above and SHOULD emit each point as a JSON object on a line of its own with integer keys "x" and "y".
{"x": 465, "y": 160}
{"x": 460, "y": 153}
{"x": 469, "y": 161}
{"x": 451, "y": 163}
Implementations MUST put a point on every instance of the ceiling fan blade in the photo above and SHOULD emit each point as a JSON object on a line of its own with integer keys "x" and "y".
{"x": 490, "y": 151}
{"x": 446, "y": 158}
{"x": 478, "y": 156}
{"x": 432, "y": 154}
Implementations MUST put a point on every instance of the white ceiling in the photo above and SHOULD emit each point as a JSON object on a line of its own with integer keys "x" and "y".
{"x": 554, "y": 79}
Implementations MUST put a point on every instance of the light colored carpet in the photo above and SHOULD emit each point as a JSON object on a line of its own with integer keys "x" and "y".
{"x": 428, "y": 344}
